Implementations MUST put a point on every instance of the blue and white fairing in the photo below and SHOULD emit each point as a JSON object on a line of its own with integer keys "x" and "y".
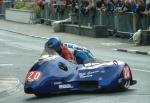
{"x": 54, "y": 74}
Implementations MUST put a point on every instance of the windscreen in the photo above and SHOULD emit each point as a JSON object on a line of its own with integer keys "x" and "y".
{"x": 48, "y": 55}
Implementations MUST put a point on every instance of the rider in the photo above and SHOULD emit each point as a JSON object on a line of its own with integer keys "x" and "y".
{"x": 55, "y": 43}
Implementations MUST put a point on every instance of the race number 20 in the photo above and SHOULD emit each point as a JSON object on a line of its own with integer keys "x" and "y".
{"x": 33, "y": 76}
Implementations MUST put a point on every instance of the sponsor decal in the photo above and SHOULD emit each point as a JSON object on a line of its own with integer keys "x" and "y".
{"x": 100, "y": 78}
{"x": 92, "y": 65}
{"x": 57, "y": 83}
{"x": 103, "y": 71}
{"x": 33, "y": 76}
{"x": 65, "y": 86}
{"x": 88, "y": 74}
{"x": 84, "y": 75}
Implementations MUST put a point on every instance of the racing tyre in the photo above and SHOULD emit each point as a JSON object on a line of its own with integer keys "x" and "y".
{"x": 126, "y": 78}
{"x": 125, "y": 84}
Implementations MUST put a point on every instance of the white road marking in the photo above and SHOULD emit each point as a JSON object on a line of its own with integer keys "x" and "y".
{"x": 141, "y": 70}
{"x": 6, "y": 52}
{"x": 132, "y": 51}
{"x": 8, "y": 82}
{"x": 20, "y": 46}
{"x": 24, "y": 48}
{"x": 111, "y": 44}
{"x": 2, "y": 65}
{"x": 4, "y": 40}
{"x": 114, "y": 49}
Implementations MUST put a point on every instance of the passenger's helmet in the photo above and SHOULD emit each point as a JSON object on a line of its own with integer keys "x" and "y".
{"x": 54, "y": 43}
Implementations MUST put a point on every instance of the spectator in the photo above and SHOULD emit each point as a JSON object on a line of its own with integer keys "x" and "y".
{"x": 63, "y": 2}
{"x": 148, "y": 6}
{"x": 84, "y": 7}
{"x": 98, "y": 5}
{"x": 140, "y": 7}
{"x": 140, "y": 12}
{"x": 53, "y": 3}
{"x": 117, "y": 5}
{"x": 1, "y": 1}
{"x": 129, "y": 6}
{"x": 68, "y": 2}
{"x": 1, "y": 6}
{"x": 107, "y": 5}
{"x": 133, "y": 6}
{"x": 60, "y": 6}
{"x": 41, "y": 4}
{"x": 74, "y": 6}
{"x": 147, "y": 11}
{"x": 92, "y": 7}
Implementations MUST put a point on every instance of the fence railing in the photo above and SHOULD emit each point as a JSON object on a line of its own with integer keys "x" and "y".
{"x": 122, "y": 22}
{"x": 49, "y": 13}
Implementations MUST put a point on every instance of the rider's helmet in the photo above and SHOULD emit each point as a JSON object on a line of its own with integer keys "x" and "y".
{"x": 54, "y": 43}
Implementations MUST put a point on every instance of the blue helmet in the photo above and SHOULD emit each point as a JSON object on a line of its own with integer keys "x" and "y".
{"x": 54, "y": 43}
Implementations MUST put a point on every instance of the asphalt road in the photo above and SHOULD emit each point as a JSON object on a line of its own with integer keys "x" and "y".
{"x": 18, "y": 53}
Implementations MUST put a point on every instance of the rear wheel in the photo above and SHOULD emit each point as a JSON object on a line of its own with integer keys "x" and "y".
{"x": 125, "y": 84}
{"x": 126, "y": 78}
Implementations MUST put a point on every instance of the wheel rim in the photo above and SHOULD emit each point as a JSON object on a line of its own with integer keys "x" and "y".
{"x": 127, "y": 84}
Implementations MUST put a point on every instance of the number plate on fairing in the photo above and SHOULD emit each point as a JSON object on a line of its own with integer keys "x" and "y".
{"x": 33, "y": 76}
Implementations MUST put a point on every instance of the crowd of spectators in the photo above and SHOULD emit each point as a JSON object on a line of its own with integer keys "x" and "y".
{"x": 135, "y": 6}
{"x": 119, "y": 6}
{"x": 91, "y": 7}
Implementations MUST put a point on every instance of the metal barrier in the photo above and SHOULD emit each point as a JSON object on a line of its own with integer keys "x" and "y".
{"x": 48, "y": 13}
{"x": 108, "y": 19}
{"x": 3, "y": 6}
{"x": 144, "y": 22}
{"x": 122, "y": 22}
{"x": 125, "y": 22}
